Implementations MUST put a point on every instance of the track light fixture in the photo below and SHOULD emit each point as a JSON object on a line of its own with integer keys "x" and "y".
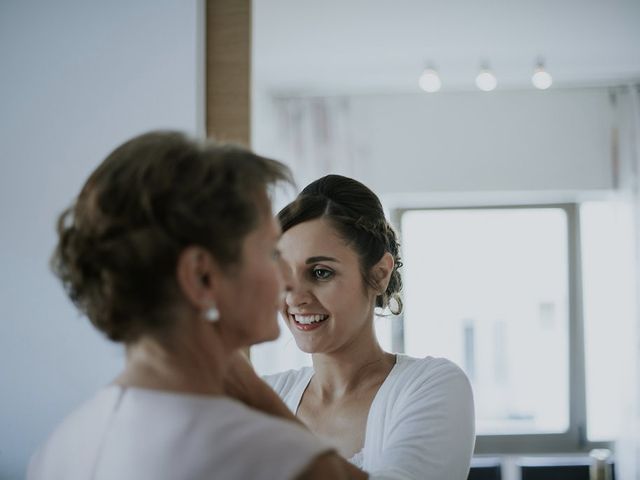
{"x": 541, "y": 79}
{"x": 430, "y": 80}
{"x": 486, "y": 79}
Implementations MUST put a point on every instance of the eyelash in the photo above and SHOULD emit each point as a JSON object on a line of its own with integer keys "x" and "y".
{"x": 326, "y": 273}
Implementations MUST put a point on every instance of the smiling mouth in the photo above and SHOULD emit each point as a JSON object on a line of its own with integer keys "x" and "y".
{"x": 304, "y": 320}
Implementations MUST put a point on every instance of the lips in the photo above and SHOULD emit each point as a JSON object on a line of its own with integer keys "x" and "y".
{"x": 306, "y": 322}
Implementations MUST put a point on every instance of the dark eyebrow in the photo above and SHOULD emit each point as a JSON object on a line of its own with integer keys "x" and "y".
{"x": 321, "y": 259}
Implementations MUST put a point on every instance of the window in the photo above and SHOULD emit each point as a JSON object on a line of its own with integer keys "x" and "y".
{"x": 498, "y": 291}
{"x": 488, "y": 288}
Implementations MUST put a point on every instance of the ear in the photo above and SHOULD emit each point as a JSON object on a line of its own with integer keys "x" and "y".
{"x": 382, "y": 271}
{"x": 195, "y": 273}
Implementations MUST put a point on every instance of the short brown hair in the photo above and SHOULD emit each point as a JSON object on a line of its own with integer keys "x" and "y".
{"x": 153, "y": 196}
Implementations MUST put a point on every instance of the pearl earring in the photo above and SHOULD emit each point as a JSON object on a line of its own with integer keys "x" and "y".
{"x": 212, "y": 314}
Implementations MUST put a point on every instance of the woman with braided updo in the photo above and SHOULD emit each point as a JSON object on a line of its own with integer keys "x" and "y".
{"x": 171, "y": 249}
{"x": 394, "y": 416}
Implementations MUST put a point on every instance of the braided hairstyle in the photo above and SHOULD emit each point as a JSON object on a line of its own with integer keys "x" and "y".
{"x": 358, "y": 217}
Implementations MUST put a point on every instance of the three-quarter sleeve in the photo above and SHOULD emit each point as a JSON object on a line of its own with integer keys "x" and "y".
{"x": 430, "y": 431}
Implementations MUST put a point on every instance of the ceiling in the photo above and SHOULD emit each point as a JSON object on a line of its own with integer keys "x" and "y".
{"x": 381, "y": 46}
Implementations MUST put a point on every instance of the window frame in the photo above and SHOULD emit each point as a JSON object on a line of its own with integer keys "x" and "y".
{"x": 574, "y": 440}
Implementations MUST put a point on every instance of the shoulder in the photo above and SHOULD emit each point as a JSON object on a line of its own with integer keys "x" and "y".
{"x": 200, "y": 422}
{"x": 431, "y": 379}
{"x": 427, "y": 430}
{"x": 177, "y": 431}
{"x": 429, "y": 369}
{"x": 89, "y": 418}
{"x": 266, "y": 437}
{"x": 238, "y": 422}
{"x": 78, "y": 436}
{"x": 285, "y": 382}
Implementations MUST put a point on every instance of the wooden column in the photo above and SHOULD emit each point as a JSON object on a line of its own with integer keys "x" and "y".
{"x": 228, "y": 70}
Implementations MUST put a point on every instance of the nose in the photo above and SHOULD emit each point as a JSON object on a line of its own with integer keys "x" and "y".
{"x": 297, "y": 297}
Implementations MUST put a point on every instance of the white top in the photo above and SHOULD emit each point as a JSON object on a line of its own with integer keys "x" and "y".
{"x": 138, "y": 434}
{"x": 421, "y": 421}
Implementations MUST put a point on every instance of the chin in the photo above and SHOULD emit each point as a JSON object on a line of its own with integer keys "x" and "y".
{"x": 305, "y": 347}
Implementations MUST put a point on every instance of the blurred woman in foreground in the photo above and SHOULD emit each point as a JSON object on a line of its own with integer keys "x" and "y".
{"x": 170, "y": 249}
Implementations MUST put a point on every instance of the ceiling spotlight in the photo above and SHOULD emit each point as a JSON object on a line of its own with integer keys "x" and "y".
{"x": 486, "y": 80}
{"x": 430, "y": 80}
{"x": 541, "y": 78}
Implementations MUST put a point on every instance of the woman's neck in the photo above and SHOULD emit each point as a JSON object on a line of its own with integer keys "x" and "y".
{"x": 361, "y": 364}
{"x": 178, "y": 364}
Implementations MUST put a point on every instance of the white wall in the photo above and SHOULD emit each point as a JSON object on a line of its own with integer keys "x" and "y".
{"x": 447, "y": 143}
{"x": 501, "y": 141}
{"x": 77, "y": 78}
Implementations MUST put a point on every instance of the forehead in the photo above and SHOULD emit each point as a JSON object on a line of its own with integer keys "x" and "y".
{"x": 312, "y": 238}
{"x": 268, "y": 227}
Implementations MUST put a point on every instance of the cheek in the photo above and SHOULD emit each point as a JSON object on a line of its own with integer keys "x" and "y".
{"x": 263, "y": 295}
{"x": 348, "y": 301}
{"x": 343, "y": 294}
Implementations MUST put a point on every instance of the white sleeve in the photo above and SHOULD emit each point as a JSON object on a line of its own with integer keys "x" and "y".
{"x": 281, "y": 382}
{"x": 290, "y": 385}
{"x": 432, "y": 431}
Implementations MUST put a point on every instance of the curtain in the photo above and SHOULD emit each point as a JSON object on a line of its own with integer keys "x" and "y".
{"x": 626, "y": 158}
{"x": 317, "y": 135}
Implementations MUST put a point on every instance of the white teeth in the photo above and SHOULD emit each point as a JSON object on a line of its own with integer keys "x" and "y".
{"x": 308, "y": 319}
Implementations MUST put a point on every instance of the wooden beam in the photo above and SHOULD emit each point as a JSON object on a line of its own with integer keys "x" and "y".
{"x": 228, "y": 70}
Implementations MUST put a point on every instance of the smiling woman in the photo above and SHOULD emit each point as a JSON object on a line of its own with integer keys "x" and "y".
{"x": 328, "y": 286}
{"x": 392, "y": 415}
